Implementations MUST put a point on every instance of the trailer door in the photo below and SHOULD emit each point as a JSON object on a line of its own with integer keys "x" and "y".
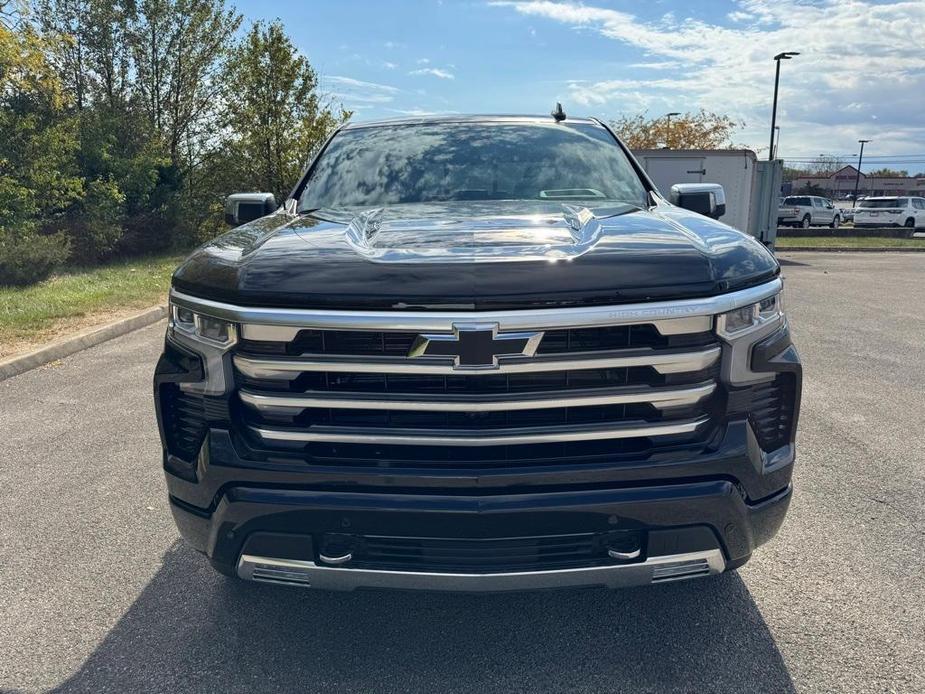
{"x": 666, "y": 171}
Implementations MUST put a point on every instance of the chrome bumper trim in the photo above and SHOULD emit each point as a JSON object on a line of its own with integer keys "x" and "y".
{"x": 660, "y": 398}
{"x": 661, "y": 569}
{"x": 477, "y": 437}
{"x": 288, "y": 369}
{"x": 670, "y": 317}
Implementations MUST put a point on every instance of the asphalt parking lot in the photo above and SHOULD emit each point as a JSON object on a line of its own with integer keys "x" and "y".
{"x": 98, "y": 594}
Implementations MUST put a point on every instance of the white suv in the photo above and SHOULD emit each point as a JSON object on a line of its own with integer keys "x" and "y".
{"x": 891, "y": 212}
{"x": 808, "y": 210}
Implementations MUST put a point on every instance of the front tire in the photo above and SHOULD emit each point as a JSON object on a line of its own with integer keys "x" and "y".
{"x": 910, "y": 225}
{"x": 806, "y": 221}
{"x": 835, "y": 222}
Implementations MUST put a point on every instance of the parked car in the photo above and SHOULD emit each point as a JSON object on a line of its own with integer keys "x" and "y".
{"x": 846, "y": 213}
{"x": 808, "y": 210}
{"x": 478, "y": 353}
{"x": 906, "y": 212}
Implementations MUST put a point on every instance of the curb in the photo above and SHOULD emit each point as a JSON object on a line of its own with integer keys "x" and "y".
{"x": 831, "y": 249}
{"x": 81, "y": 341}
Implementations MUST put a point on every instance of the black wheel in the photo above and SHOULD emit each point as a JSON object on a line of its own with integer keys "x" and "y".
{"x": 910, "y": 225}
{"x": 806, "y": 221}
{"x": 835, "y": 222}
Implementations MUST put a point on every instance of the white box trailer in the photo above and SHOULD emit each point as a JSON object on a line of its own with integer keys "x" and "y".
{"x": 751, "y": 186}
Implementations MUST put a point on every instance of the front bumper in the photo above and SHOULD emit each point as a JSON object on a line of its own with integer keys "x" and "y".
{"x": 692, "y": 510}
{"x": 685, "y": 507}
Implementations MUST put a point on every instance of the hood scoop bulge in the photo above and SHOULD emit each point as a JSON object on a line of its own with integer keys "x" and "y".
{"x": 381, "y": 236}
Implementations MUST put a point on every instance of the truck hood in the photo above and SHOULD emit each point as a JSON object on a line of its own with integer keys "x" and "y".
{"x": 475, "y": 256}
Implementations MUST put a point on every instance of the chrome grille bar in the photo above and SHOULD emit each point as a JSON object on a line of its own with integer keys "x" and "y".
{"x": 477, "y": 437}
{"x": 661, "y": 361}
{"x": 670, "y": 317}
{"x": 661, "y": 398}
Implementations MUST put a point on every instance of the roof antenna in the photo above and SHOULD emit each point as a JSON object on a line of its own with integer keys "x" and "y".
{"x": 558, "y": 113}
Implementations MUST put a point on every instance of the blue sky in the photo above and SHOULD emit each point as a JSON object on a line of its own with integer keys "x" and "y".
{"x": 861, "y": 73}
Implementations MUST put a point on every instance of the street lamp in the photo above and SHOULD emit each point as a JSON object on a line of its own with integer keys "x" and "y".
{"x": 668, "y": 128}
{"x": 857, "y": 179}
{"x": 786, "y": 55}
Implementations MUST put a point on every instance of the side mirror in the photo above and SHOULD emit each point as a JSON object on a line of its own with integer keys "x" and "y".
{"x": 708, "y": 199}
{"x": 241, "y": 208}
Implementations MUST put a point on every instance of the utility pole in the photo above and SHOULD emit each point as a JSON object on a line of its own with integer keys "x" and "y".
{"x": 786, "y": 55}
{"x": 857, "y": 179}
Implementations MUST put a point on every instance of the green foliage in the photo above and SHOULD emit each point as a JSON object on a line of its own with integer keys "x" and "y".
{"x": 27, "y": 313}
{"x": 29, "y": 258}
{"x": 37, "y": 171}
{"x": 96, "y": 224}
{"x": 125, "y": 123}
{"x": 275, "y": 113}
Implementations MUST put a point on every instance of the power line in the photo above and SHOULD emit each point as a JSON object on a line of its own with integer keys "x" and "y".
{"x": 890, "y": 157}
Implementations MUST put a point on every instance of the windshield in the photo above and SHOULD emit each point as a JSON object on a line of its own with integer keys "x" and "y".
{"x": 883, "y": 203}
{"x": 441, "y": 162}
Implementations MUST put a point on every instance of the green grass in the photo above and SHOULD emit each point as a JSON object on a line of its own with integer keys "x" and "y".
{"x": 80, "y": 296}
{"x": 784, "y": 242}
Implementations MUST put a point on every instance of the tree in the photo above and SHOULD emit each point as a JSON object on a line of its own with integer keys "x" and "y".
{"x": 825, "y": 165}
{"x": 888, "y": 173}
{"x": 791, "y": 173}
{"x": 179, "y": 48}
{"x": 700, "y": 130}
{"x": 810, "y": 189}
{"x": 38, "y": 179}
{"x": 275, "y": 113}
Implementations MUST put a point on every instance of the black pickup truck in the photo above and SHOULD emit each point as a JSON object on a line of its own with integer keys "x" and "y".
{"x": 478, "y": 353}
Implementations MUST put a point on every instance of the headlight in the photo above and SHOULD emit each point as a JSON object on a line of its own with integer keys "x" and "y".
{"x": 744, "y": 319}
{"x": 202, "y": 328}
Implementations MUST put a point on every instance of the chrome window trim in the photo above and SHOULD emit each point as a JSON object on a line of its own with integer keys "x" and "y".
{"x": 660, "y": 398}
{"x": 288, "y": 369}
{"x": 669, "y": 317}
{"x": 477, "y": 437}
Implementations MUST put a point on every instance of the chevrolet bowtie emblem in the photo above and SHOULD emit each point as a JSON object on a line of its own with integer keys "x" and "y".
{"x": 476, "y": 345}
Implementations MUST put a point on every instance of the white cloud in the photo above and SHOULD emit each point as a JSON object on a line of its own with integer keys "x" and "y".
{"x": 739, "y": 16}
{"x": 423, "y": 61}
{"x": 354, "y": 91}
{"x": 389, "y": 65}
{"x": 435, "y": 72}
{"x": 852, "y": 52}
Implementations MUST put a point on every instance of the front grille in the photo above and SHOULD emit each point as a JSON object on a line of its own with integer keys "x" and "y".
{"x": 398, "y": 344}
{"x": 356, "y": 397}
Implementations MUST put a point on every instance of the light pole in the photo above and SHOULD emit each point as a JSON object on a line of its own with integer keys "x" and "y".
{"x": 668, "y": 128}
{"x": 786, "y": 55}
{"x": 857, "y": 179}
